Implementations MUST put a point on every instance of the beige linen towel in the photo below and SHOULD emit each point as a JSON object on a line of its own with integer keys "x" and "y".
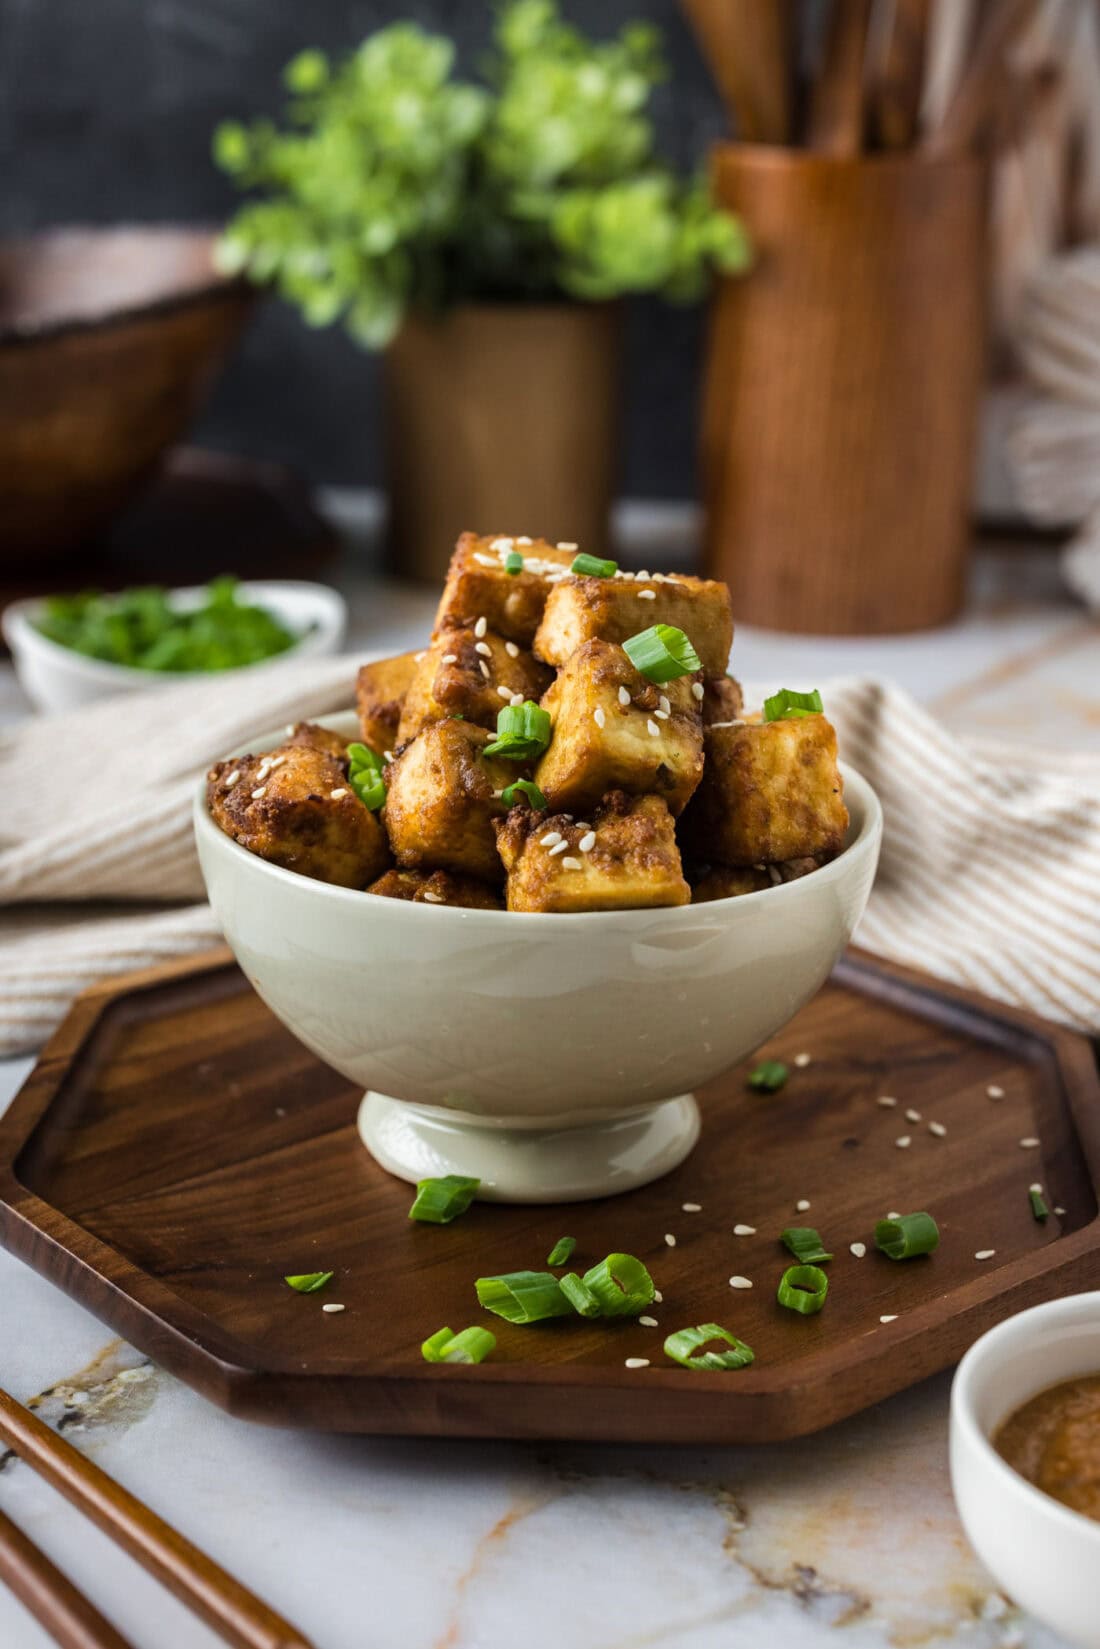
{"x": 990, "y": 873}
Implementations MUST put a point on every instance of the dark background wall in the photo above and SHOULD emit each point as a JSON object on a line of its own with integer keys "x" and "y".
{"x": 106, "y": 109}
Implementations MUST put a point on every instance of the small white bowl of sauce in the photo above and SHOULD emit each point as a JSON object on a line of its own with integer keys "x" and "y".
{"x": 1025, "y": 1460}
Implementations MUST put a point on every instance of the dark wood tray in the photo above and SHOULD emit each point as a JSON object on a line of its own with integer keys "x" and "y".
{"x": 176, "y": 1151}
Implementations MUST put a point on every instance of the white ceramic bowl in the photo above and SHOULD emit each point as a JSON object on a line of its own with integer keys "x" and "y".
{"x": 554, "y": 1056}
{"x": 1045, "y": 1556}
{"x": 55, "y": 678}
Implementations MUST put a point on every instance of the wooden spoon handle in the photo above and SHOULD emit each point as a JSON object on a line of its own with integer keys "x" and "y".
{"x": 837, "y": 97}
{"x": 47, "y": 1594}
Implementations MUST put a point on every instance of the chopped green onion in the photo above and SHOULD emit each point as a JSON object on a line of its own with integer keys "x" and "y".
{"x": 684, "y": 1348}
{"x": 591, "y": 566}
{"x": 562, "y": 1251}
{"x": 525, "y": 787}
{"x": 472, "y": 1345}
{"x": 907, "y": 1236}
{"x": 661, "y": 653}
{"x": 804, "y": 1243}
{"x": 580, "y": 1296}
{"x": 513, "y": 562}
{"x": 309, "y": 1282}
{"x": 523, "y": 1296}
{"x": 523, "y": 732}
{"x": 439, "y": 1201}
{"x": 769, "y": 1076}
{"x": 803, "y": 1288}
{"x": 787, "y": 703}
{"x": 365, "y": 770}
{"x": 1039, "y": 1209}
{"x": 622, "y": 1285}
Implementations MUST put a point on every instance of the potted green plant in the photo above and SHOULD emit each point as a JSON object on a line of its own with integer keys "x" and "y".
{"x": 481, "y": 234}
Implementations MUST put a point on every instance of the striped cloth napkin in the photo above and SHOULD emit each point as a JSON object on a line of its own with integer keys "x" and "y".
{"x": 990, "y": 872}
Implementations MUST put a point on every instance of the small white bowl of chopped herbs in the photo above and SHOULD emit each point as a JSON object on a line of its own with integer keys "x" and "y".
{"x": 70, "y": 650}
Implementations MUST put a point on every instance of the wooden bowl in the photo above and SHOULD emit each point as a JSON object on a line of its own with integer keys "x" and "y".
{"x": 109, "y": 341}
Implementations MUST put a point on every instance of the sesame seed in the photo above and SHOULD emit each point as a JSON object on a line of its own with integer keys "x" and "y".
{"x": 1029, "y": 1143}
{"x": 903, "y": 1142}
{"x": 420, "y": 657}
{"x": 431, "y": 898}
{"x": 332, "y": 1307}
{"x": 887, "y": 1100}
{"x": 291, "y": 729}
{"x": 449, "y": 658}
{"x": 258, "y": 792}
{"x": 480, "y": 627}
{"x": 670, "y": 1239}
{"x": 646, "y": 595}
{"x": 692, "y": 1207}
{"x": 551, "y": 839}
{"x": 661, "y": 715}
{"x": 740, "y": 1282}
{"x": 571, "y": 864}
{"x": 994, "y": 1092}
{"x": 653, "y": 729}
{"x": 562, "y": 847}
{"x": 564, "y": 544}
{"x": 802, "y": 1060}
{"x": 516, "y": 698}
{"x": 523, "y": 539}
{"x": 388, "y": 755}
{"x": 858, "y": 1249}
{"x": 486, "y": 560}
{"x": 232, "y": 778}
{"x": 744, "y": 1231}
{"x": 1059, "y": 1212}
{"x": 985, "y": 1253}
{"x": 642, "y": 574}
{"x": 664, "y": 703}
{"x": 802, "y": 1206}
{"x": 276, "y": 761}
{"x": 636, "y": 1362}
{"x": 648, "y": 1322}
{"x": 889, "y": 1317}
{"x": 334, "y": 795}
{"x": 484, "y": 668}
{"x": 587, "y": 842}
{"x": 893, "y": 1214}
{"x": 504, "y": 692}
{"x": 912, "y": 1116}
{"x": 483, "y": 648}
{"x": 937, "y": 1128}
{"x": 697, "y": 689}
{"x": 511, "y": 649}
{"x": 501, "y": 544}
{"x": 598, "y": 716}
{"x": 658, "y": 1296}
{"x": 1037, "y": 1188}
{"x": 624, "y": 697}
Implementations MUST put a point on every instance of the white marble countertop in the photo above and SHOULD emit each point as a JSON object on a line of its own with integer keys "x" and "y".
{"x": 850, "y": 1537}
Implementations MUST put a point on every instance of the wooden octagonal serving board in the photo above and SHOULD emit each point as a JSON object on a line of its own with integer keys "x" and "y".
{"x": 176, "y": 1152}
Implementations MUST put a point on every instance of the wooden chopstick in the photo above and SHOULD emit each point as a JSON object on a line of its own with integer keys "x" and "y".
{"x": 970, "y": 115}
{"x": 897, "y": 76}
{"x": 747, "y": 47}
{"x": 837, "y": 96}
{"x": 230, "y": 1608}
{"x": 50, "y": 1596}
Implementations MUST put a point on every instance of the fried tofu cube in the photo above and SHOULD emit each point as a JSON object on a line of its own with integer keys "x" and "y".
{"x": 615, "y": 730}
{"x": 294, "y": 807}
{"x": 442, "y": 797}
{"x": 380, "y": 690}
{"x": 435, "y": 887}
{"x": 470, "y": 675}
{"x": 624, "y": 858}
{"x": 730, "y": 881}
{"x": 312, "y": 737}
{"x": 614, "y": 609}
{"x": 722, "y": 700}
{"x": 478, "y": 586}
{"x": 771, "y": 792}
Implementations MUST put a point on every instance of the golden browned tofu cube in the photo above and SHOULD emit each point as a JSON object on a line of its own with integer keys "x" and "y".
{"x": 771, "y": 792}
{"x": 479, "y": 586}
{"x": 722, "y": 700}
{"x": 615, "y": 730}
{"x": 435, "y": 887}
{"x": 380, "y": 690}
{"x": 729, "y": 881}
{"x": 464, "y": 673}
{"x": 623, "y": 858}
{"x": 307, "y": 733}
{"x": 443, "y": 795}
{"x": 614, "y": 609}
{"x": 295, "y": 808}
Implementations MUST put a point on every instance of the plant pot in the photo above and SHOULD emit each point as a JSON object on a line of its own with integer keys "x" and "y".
{"x": 501, "y": 418}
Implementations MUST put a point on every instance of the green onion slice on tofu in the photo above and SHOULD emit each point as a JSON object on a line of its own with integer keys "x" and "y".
{"x": 803, "y": 1288}
{"x": 592, "y": 566}
{"x": 580, "y": 1296}
{"x": 513, "y": 562}
{"x": 907, "y": 1236}
{"x": 523, "y": 732}
{"x": 471, "y": 1345}
{"x": 1039, "y": 1209}
{"x": 622, "y": 1285}
{"x": 309, "y": 1282}
{"x": 523, "y": 1296}
{"x": 787, "y": 703}
{"x": 769, "y": 1076}
{"x": 805, "y": 1244}
{"x": 365, "y": 776}
{"x": 439, "y": 1201}
{"x": 685, "y": 1348}
{"x": 662, "y": 653}
{"x": 524, "y": 787}
{"x": 562, "y": 1251}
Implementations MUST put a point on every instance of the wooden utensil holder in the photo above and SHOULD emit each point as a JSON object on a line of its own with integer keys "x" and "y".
{"x": 842, "y": 389}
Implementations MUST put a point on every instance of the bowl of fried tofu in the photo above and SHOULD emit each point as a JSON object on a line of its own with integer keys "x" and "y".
{"x": 548, "y": 879}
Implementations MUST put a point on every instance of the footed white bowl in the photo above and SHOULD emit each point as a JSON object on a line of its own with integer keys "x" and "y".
{"x": 554, "y": 1056}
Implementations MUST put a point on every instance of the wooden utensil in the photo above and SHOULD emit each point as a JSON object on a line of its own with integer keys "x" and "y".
{"x": 972, "y": 110}
{"x": 50, "y": 1596}
{"x": 897, "y": 74}
{"x": 233, "y": 1611}
{"x": 747, "y": 45}
{"x": 837, "y": 98}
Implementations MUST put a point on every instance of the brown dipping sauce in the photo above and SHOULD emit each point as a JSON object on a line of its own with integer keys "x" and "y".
{"x": 1054, "y": 1442}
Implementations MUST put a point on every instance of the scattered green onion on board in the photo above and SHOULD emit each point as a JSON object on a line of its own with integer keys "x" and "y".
{"x": 523, "y": 732}
{"x": 471, "y": 1345}
{"x": 803, "y": 1288}
{"x": 769, "y": 1076}
{"x": 1039, "y": 1209}
{"x": 805, "y": 1244}
{"x": 580, "y": 1296}
{"x": 439, "y": 1201}
{"x": 365, "y": 776}
{"x": 662, "y": 653}
{"x": 685, "y": 1348}
{"x": 309, "y": 1282}
{"x": 907, "y": 1236}
{"x": 787, "y": 703}
{"x": 592, "y": 566}
{"x": 523, "y": 1296}
{"x": 622, "y": 1285}
{"x": 562, "y": 1251}
{"x": 513, "y": 562}
{"x": 523, "y": 787}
